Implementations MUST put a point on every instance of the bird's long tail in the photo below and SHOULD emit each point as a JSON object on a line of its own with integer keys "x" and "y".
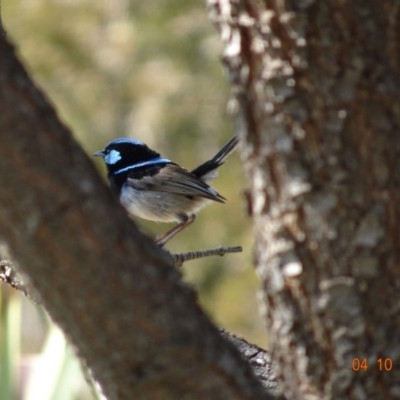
{"x": 206, "y": 171}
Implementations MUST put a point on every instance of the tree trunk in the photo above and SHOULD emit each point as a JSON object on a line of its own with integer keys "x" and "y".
{"x": 112, "y": 290}
{"x": 316, "y": 96}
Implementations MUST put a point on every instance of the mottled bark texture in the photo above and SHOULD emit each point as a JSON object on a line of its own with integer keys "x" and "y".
{"x": 316, "y": 94}
{"x": 114, "y": 293}
{"x": 259, "y": 359}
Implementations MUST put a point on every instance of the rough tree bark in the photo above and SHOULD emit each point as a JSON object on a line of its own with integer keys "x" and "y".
{"x": 316, "y": 89}
{"x": 112, "y": 290}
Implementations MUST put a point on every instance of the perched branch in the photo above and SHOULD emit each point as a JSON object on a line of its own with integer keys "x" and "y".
{"x": 180, "y": 258}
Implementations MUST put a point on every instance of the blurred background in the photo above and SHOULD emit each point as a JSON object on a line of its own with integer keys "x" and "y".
{"x": 149, "y": 70}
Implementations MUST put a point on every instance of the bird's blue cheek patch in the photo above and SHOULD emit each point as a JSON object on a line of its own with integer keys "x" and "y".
{"x": 112, "y": 157}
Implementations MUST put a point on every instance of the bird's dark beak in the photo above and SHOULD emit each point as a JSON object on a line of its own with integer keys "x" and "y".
{"x": 98, "y": 154}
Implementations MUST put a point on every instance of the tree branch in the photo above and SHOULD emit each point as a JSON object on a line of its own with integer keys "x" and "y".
{"x": 9, "y": 275}
{"x": 180, "y": 258}
{"x": 258, "y": 358}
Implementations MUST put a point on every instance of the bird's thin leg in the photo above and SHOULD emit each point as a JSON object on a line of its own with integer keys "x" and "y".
{"x": 165, "y": 237}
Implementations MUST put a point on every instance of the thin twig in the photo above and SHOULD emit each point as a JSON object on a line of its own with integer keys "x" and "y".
{"x": 180, "y": 258}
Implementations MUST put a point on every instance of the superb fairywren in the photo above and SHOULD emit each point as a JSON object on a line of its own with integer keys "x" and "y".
{"x": 155, "y": 188}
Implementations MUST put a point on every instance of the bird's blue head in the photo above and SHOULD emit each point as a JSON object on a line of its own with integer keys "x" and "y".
{"x": 124, "y": 154}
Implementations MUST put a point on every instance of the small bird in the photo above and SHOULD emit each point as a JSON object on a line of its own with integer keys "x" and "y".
{"x": 155, "y": 188}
